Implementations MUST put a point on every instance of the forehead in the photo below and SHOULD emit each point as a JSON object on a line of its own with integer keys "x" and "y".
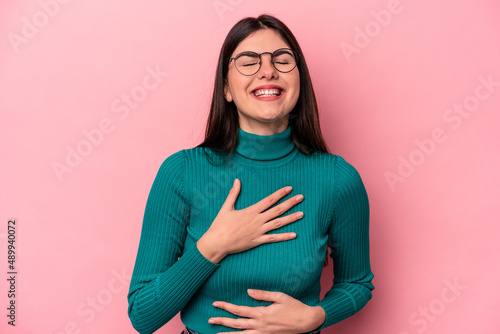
{"x": 264, "y": 40}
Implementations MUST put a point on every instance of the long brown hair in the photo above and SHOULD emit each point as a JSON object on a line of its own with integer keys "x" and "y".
{"x": 221, "y": 133}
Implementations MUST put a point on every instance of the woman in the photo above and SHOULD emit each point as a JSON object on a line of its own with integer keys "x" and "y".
{"x": 200, "y": 252}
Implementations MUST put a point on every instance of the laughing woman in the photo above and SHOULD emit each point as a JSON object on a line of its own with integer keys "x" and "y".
{"x": 248, "y": 256}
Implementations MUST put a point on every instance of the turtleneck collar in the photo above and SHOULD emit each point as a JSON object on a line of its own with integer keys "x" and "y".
{"x": 272, "y": 147}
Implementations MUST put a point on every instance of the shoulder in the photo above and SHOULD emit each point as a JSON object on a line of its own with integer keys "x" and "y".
{"x": 345, "y": 171}
{"x": 183, "y": 160}
{"x": 185, "y": 156}
{"x": 171, "y": 170}
{"x": 173, "y": 162}
{"x": 341, "y": 174}
{"x": 198, "y": 157}
{"x": 336, "y": 165}
{"x": 168, "y": 187}
{"x": 348, "y": 185}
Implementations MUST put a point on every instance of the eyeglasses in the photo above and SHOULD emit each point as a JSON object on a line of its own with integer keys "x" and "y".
{"x": 248, "y": 62}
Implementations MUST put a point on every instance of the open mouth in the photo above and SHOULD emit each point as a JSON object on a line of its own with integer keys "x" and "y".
{"x": 267, "y": 92}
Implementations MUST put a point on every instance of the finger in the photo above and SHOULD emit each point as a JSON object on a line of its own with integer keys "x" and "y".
{"x": 242, "y": 311}
{"x": 271, "y": 199}
{"x": 278, "y": 210}
{"x": 270, "y": 238}
{"x": 271, "y": 296}
{"x": 283, "y": 221}
{"x": 230, "y": 322}
{"x": 232, "y": 196}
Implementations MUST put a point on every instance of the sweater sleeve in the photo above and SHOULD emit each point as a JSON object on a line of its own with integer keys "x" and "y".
{"x": 165, "y": 277}
{"x": 349, "y": 242}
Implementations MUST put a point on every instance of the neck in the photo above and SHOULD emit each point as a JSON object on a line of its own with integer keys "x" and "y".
{"x": 263, "y": 129}
{"x": 265, "y": 147}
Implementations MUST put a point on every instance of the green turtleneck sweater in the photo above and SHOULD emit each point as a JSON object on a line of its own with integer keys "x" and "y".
{"x": 172, "y": 276}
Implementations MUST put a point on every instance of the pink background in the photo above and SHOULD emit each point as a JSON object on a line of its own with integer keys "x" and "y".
{"x": 390, "y": 102}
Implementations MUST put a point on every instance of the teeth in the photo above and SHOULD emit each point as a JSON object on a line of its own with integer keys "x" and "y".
{"x": 267, "y": 92}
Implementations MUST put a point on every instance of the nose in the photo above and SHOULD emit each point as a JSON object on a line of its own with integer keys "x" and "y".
{"x": 267, "y": 69}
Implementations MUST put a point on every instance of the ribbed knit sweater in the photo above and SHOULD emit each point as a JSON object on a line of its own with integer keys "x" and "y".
{"x": 172, "y": 276}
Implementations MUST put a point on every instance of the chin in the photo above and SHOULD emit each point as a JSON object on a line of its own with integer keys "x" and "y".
{"x": 271, "y": 114}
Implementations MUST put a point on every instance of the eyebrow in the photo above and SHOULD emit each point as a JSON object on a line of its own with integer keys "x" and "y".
{"x": 247, "y": 53}
{"x": 253, "y": 53}
{"x": 283, "y": 51}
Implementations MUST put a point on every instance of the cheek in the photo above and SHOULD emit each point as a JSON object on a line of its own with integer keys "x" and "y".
{"x": 238, "y": 87}
{"x": 296, "y": 87}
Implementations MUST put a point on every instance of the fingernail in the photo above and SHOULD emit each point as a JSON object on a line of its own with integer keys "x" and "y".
{"x": 299, "y": 215}
{"x": 216, "y": 304}
{"x": 235, "y": 182}
{"x": 211, "y": 321}
{"x": 299, "y": 198}
{"x": 289, "y": 189}
{"x": 252, "y": 292}
{"x": 291, "y": 235}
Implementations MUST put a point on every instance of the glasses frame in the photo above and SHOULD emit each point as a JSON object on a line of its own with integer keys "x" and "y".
{"x": 295, "y": 54}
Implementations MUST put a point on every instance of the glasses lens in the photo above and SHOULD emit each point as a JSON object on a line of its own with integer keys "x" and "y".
{"x": 284, "y": 60}
{"x": 247, "y": 63}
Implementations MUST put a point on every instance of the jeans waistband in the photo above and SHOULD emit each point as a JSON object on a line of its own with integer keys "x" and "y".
{"x": 190, "y": 331}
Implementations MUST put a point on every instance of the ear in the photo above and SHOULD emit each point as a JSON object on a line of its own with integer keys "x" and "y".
{"x": 227, "y": 93}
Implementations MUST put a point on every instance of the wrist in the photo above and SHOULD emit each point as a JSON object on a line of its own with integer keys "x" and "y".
{"x": 318, "y": 317}
{"x": 211, "y": 253}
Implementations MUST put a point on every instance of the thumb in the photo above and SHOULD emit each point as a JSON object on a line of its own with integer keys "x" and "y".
{"x": 233, "y": 195}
